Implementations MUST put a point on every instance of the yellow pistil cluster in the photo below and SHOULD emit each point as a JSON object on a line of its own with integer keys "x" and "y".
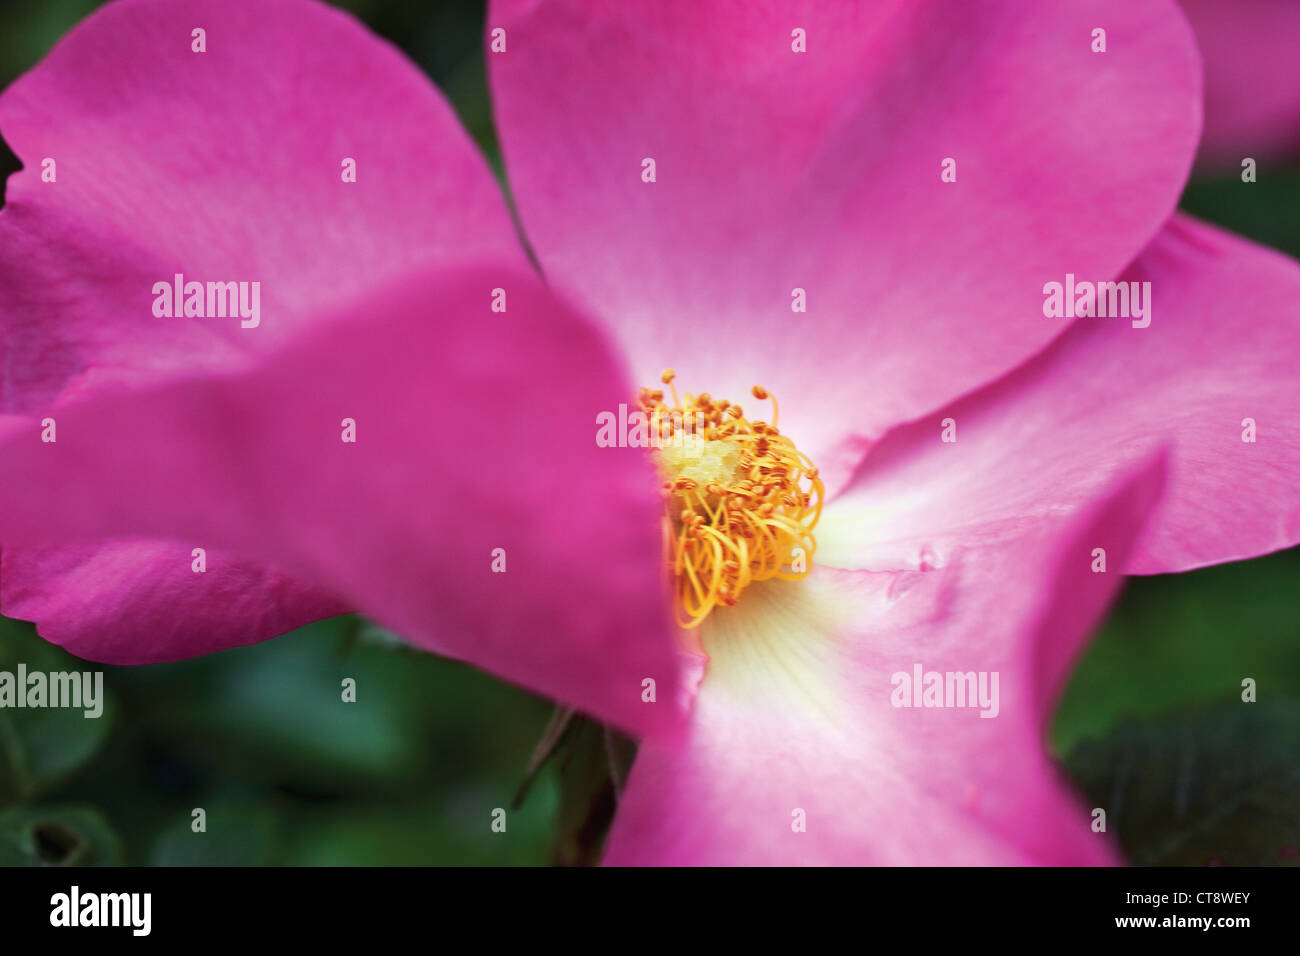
{"x": 741, "y": 501}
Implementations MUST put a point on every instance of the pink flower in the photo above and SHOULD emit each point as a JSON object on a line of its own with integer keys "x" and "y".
{"x": 1251, "y": 50}
{"x": 1084, "y": 449}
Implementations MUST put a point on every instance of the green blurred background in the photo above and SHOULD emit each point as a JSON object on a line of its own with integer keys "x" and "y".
{"x": 1152, "y": 726}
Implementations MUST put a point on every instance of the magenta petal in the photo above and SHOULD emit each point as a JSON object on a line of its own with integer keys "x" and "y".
{"x": 799, "y": 712}
{"x": 142, "y": 602}
{"x": 1251, "y": 50}
{"x": 1222, "y": 348}
{"x": 778, "y": 170}
{"x": 475, "y": 431}
{"x": 223, "y": 166}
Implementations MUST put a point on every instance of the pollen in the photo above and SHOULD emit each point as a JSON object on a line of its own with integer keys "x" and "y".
{"x": 740, "y": 500}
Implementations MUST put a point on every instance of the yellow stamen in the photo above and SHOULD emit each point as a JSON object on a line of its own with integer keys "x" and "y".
{"x": 741, "y": 501}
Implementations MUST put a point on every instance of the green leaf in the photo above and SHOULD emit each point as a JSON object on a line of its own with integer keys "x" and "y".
{"x": 1217, "y": 785}
{"x": 42, "y": 747}
{"x": 1179, "y": 641}
{"x": 592, "y": 767}
{"x": 1263, "y": 210}
{"x": 57, "y": 836}
{"x": 274, "y": 713}
{"x": 443, "y": 832}
{"x": 235, "y": 835}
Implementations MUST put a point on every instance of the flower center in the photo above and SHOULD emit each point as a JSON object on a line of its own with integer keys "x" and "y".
{"x": 740, "y": 500}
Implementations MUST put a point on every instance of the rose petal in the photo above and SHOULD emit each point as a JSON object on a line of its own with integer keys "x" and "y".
{"x": 222, "y": 166}
{"x": 475, "y": 431}
{"x": 1223, "y": 346}
{"x": 142, "y": 602}
{"x": 799, "y": 716}
{"x": 1251, "y": 50}
{"x": 777, "y": 170}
